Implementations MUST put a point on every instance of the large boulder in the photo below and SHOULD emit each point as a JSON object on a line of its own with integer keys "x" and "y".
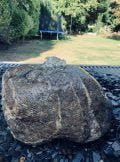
{"x": 54, "y": 100}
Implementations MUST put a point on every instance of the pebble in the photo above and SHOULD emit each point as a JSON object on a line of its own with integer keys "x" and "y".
{"x": 115, "y": 103}
{"x": 116, "y": 113}
{"x": 116, "y": 146}
{"x": 96, "y": 157}
{"x": 109, "y": 95}
{"x": 78, "y": 158}
{"x": 54, "y": 155}
{"x": 14, "y": 160}
{"x": 101, "y": 160}
{"x": 18, "y": 148}
{"x": 108, "y": 150}
{"x": 2, "y": 139}
{"x": 22, "y": 159}
{"x": 117, "y": 154}
{"x": 39, "y": 153}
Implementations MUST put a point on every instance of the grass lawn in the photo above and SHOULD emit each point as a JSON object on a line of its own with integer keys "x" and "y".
{"x": 86, "y": 49}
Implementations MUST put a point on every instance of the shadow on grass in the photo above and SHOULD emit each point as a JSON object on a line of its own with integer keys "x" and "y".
{"x": 115, "y": 36}
{"x": 28, "y": 49}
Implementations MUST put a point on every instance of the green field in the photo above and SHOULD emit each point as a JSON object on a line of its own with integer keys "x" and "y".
{"x": 86, "y": 49}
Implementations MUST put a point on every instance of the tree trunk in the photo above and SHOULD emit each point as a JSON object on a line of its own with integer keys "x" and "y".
{"x": 71, "y": 21}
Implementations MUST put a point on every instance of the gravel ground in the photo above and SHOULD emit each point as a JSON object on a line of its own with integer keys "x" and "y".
{"x": 106, "y": 149}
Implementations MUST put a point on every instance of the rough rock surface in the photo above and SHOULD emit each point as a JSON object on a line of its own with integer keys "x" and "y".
{"x": 54, "y": 100}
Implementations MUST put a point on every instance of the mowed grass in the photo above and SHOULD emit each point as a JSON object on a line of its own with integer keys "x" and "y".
{"x": 86, "y": 49}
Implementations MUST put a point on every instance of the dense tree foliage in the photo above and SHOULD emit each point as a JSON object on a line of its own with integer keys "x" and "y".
{"x": 115, "y": 15}
{"x": 81, "y": 13}
{"x": 5, "y": 19}
{"x": 21, "y": 18}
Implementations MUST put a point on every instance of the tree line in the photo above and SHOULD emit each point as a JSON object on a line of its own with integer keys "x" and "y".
{"x": 24, "y": 18}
